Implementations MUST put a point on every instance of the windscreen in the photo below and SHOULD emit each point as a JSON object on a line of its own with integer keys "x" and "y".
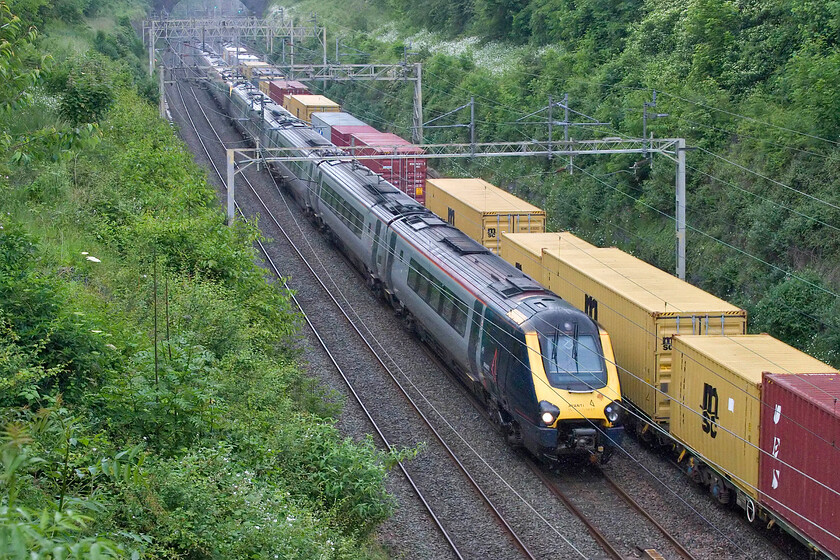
{"x": 571, "y": 355}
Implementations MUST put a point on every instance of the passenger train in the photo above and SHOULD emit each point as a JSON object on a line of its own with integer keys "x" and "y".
{"x": 544, "y": 370}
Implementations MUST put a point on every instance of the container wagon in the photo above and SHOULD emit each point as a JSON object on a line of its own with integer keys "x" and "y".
{"x": 247, "y": 67}
{"x": 261, "y": 77}
{"x": 482, "y": 210}
{"x": 720, "y": 413}
{"x": 342, "y": 135}
{"x": 279, "y": 89}
{"x": 323, "y": 123}
{"x": 230, "y": 54}
{"x": 406, "y": 173}
{"x": 302, "y": 106}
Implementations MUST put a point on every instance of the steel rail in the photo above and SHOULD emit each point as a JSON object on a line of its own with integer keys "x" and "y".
{"x": 596, "y": 533}
{"x": 499, "y": 516}
{"x": 638, "y": 507}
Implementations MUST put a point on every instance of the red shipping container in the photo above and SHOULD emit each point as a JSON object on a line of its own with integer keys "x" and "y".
{"x": 384, "y": 143}
{"x": 405, "y": 174}
{"x": 279, "y": 89}
{"x": 800, "y": 435}
{"x": 342, "y": 135}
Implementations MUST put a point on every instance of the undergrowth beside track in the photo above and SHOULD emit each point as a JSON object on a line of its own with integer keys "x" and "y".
{"x": 152, "y": 400}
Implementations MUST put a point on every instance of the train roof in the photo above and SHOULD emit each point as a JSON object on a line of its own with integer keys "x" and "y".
{"x": 490, "y": 278}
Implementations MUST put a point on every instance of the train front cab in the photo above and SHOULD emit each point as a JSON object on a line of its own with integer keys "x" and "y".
{"x": 574, "y": 412}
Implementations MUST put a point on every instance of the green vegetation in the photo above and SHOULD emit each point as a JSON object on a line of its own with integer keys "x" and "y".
{"x": 151, "y": 398}
{"x": 750, "y": 85}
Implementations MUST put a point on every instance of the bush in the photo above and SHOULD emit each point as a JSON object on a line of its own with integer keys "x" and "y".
{"x": 89, "y": 91}
{"x": 49, "y": 343}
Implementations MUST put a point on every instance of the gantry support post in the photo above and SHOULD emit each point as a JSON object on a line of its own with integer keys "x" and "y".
{"x": 161, "y": 91}
{"x": 550, "y": 125}
{"x": 680, "y": 210}
{"x": 152, "y": 49}
{"x": 472, "y": 126}
{"x": 230, "y": 179}
{"x": 418, "y": 103}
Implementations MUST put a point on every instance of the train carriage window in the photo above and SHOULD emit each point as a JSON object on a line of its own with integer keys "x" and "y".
{"x": 441, "y": 299}
{"x": 425, "y": 286}
{"x": 413, "y": 276}
{"x": 422, "y": 283}
{"x": 434, "y": 296}
{"x": 351, "y": 217}
{"x": 460, "y": 321}
{"x": 459, "y": 315}
{"x": 447, "y": 305}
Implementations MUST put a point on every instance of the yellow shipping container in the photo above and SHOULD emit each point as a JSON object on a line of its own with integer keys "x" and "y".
{"x": 481, "y": 210}
{"x": 302, "y": 106}
{"x": 643, "y": 307}
{"x": 264, "y": 86}
{"x": 525, "y": 250}
{"x": 717, "y": 389}
{"x": 247, "y": 67}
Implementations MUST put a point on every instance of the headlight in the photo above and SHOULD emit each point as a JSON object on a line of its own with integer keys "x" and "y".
{"x": 613, "y": 412}
{"x": 548, "y": 413}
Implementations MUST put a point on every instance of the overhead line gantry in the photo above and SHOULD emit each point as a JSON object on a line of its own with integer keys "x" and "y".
{"x": 672, "y": 148}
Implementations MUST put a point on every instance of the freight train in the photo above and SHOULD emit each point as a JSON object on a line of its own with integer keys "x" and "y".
{"x": 544, "y": 370}
{"x": 731, "y": 425}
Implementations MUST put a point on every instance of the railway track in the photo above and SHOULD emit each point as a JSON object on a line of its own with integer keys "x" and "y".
{"x": 576, "y": 493}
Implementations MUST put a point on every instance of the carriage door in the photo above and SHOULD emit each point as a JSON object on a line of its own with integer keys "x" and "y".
{"x": 494, "y": 353}
{"x": 392, "y": 249}
{"x": 376, "y": 258}
{"x": 475, "y": 331}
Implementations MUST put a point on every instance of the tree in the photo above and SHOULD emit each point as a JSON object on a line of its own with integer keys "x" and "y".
{"x": 16, "y": 79}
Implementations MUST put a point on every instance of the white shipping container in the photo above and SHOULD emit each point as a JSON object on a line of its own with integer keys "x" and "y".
{"x": 324, "y": 122}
